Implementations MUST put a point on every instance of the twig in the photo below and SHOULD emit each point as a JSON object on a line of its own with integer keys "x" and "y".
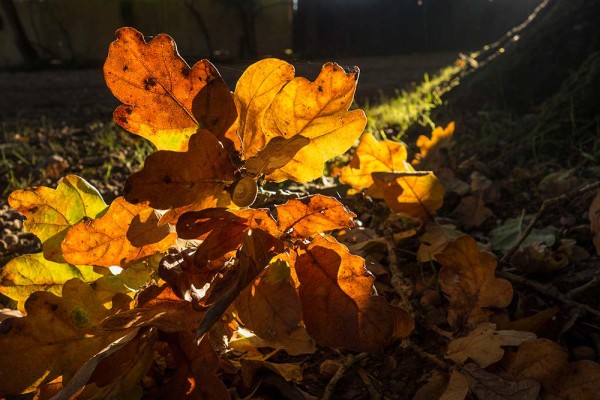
{"x": 548, "y": 290}
{"x": 427, "y": 356}
{"x": 548, "y": 203}
{"x": 402, "y": 285}
{"x": 350, "y": 361}
{"x": 583, "y": 288}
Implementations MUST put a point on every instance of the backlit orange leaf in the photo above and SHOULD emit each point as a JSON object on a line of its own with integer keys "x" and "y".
{"x": 173, "y": 179}
{"x": 303, "y": 218}
{"x": 318, "y": 111}
{"x": 431, "y": 155}
{"x": 468, "y": 280}
{"x": 381, "y": 169}
{"x": 374, "y": 156}
{"x": 164, "y": 100}
{"x": 337, "y": 306}
{"x": 58, "y": 335}
{"x": 269, "y": 306}
{"x": 418, "y": 194}
{"x": 125, "y": 233}
{"x": 50, "y": 212}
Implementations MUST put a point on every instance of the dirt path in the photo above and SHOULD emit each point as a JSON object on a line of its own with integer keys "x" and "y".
{"x": 80, "y": 96}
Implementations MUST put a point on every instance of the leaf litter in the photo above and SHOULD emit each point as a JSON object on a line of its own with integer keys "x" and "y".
{"x": 222, "y": 301}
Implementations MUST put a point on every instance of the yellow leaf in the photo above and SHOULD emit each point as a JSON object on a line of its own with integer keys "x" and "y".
{"x": 164, "y": 100}
{"x": 51, "y": 212}
{"x": 431, "y": 154}
{"x": 124, "y": 234}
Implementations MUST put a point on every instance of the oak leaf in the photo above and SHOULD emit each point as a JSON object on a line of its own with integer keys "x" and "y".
{"x": 270, "y": 306}
{"x": 471, "y": 212}
{"x": 381, "y": 168}
{"x": 488, "y": 386}
{"x": 431, "y": 151}
{"x": 124, "y": 234}
{"x": 303, "y": 218}
{"x": 484, "y": 344}
{"x": 59, "y": 333}
{"x": 164, "y": 100}
{"x": 171, "y": 179}
{"x": 335, "y": 291}
{"x": 457, "y": 388}
{"x": 435, "y": 239}
{"x": 51, "y": 212}
{"x": 467, "y": 278}
{"x": 30, "y": 273}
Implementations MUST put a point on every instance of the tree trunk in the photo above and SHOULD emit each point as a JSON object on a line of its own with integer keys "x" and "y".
{"x": 26, "y": 49}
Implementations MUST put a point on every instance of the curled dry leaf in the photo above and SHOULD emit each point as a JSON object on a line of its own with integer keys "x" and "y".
{"x": 484, "y": 344}
{"x": 51, "y": 212}
{"x": 468, "y": 280}
{"x": 58, "y": 335}
{"x": 164, "y": 100}
{"x": 432, "y": 151}
{"x": 172, "y": 179}
{"x": 335, "y": 291}
{"x": 124, "y": 234}
{"x": 29, "y": 273}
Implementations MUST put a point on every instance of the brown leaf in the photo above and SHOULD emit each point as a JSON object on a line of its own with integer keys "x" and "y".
{"x": 435, "y": 239}
{"x": 487, "y": 386}
{"x": 433, "y": 152}
{"x": 336, "y": 297}
{"x": 288, "y": 371}
{"x": 594, "y": 215}
{"x": 164, "y": 100}
{"x": 458, "y": 387}
{"x": 312, "y": 215}
{"x": 172, "y": 179}
{"x": 467, "y": 278}
{"x": 484, "y": 344}
{"x": 472, "y": 212}
{"x": 195, "y": 370}
{"x": 540, "y": 359}
{"x": 581, "y": 382}
{"x": 125, "y": 233}
{"x": 58, "y": 335}
{"x": 270, "y": 306}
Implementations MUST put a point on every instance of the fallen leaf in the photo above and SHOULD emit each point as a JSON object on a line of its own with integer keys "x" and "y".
{"x": 59, "y": 333}
{"x": 289, "y": 371}
{"x": 487, "y": 386}
{"x": 594, "y": 216}
{"x": 467, "y": 278}
{"x": 435, "y": 239}
{"x": 51, "y": 212}
{"x": 303, "y": 218}
{"x": 505, "y": 236}
{"x": 172, "y": 179}
{"x": 30, "y": 273}
{"x": 124, "y": 234}
{"x": 581, "y": 382}
{"x": 451, "y": 182}
{"x": 484, "y": 344}
{"x": 335, "y": 291}
{"x": 277, "y": 153}
{"x": 433, "y": 152}
{"x": 418, "y": 194}
{"x": 458, "y": 387}
{"x": 164, "y": 100}
{"x": 472, "y": 212}
{"x": 434, "y": 388}
{"x": 538, "y": 258}
{"x": 269, "y": 306}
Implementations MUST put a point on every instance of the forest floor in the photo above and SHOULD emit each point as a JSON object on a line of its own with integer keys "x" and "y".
{"x": 59, "y": 122}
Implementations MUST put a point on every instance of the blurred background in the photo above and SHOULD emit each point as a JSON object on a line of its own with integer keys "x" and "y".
{"x": 77, "y": 33}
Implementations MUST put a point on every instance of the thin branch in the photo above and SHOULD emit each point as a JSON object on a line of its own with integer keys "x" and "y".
{"x": 350, "y": 361}
{"x": 402, "y": 285}
{"x": 548, "y": 203}
{"x": 548, "y": 290}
